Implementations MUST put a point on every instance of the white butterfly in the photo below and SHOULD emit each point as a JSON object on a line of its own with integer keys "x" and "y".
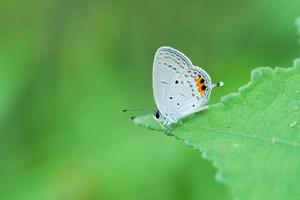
{"x": 179, "y": 87}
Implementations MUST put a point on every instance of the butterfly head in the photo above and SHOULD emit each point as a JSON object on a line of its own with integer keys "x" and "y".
{"x": 165, "y": 120}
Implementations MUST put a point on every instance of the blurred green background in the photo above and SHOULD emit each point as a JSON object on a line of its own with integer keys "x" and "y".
{"x": 69, "y": 67}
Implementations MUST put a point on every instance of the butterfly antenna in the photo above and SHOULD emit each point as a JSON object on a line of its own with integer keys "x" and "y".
{"x": 144, "y": 110}
{"x": 219, "y": 84}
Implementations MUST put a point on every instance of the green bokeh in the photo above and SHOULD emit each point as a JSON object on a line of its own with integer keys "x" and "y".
{"x": 69, "y": 67}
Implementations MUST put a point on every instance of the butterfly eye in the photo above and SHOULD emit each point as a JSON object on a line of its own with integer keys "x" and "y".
{"x": 157, "y": 115}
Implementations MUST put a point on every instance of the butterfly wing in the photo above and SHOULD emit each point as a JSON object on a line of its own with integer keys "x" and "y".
{"x": 168, "y": 64}
{"x": 189, "y": 95}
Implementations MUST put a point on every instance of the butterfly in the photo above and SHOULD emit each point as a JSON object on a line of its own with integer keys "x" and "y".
{"x": 179, "y": 88}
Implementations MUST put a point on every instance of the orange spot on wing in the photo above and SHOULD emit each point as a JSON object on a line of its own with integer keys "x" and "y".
{"x": 197, "y": 78}
{"x": 199, "y": 84}
{"x": 200, "y": 91}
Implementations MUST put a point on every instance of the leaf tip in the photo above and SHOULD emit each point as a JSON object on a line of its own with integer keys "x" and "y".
{"x": 147, "y": 121}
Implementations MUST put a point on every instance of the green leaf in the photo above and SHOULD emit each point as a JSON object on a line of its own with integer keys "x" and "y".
{"x": 252, "y": 136}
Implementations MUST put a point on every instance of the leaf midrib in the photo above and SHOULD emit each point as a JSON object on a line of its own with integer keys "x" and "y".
{"x": 272, "y": 141}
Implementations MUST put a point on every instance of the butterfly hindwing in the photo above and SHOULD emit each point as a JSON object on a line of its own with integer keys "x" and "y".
{"x": 184, "y": 95}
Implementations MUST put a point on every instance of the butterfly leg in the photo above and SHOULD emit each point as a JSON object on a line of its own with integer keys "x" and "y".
{"x": 205, "y": 108}
{"x": 183, "y": 125}
{"x": 168, "y": 128}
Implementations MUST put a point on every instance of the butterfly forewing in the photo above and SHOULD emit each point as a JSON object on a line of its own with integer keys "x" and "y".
{"x": 168, "y": 63}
